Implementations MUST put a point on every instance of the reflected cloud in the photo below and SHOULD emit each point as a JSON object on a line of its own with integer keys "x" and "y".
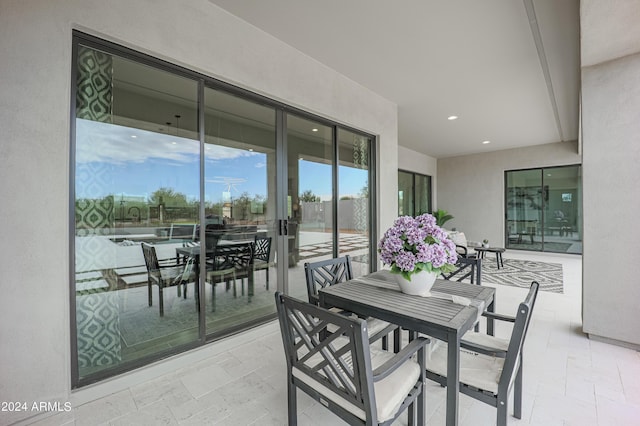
{"x": 119, "y": 145}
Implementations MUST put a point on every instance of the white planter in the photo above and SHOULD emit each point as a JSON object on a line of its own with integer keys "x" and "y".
{"x": 419, "y": 285}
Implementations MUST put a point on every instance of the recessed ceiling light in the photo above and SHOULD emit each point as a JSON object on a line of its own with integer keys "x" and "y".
{"x": 486, "y": 142}
{"x": 452, "y": 117}
{"x": 134, "y": 136}
{"x": 174, "y": 143}
{"x": 250, "y": 149}
{"x": 314, "y": 130}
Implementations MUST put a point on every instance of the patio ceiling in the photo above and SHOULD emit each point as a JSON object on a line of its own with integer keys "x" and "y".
{"x": 508, "y": 69}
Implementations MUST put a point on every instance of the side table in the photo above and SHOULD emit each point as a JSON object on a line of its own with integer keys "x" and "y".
{"x": 497, "y": 250}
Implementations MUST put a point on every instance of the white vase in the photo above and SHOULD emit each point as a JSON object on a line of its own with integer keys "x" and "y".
{"x": 419, "y": 285}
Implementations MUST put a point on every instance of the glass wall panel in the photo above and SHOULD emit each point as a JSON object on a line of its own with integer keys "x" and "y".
{"x": 563, "y": 213}
{"x": 405, "y": 193}
{"x": 136, "y": 181}
{"x": 414, "y": 193}
{"x": 524, "y": 209}
{"x": 354, "y": 215}
{"x": 422, "y": 194}
{"x": 240, "y": 210}
{"x": 179, "y": 200}
{"x": 309, "y": 197}
{"x": 544, "y": 209}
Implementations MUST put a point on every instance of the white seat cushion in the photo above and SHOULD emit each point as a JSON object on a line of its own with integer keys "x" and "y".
{"x": 486, "y": 340}
{"x": 477, "y": 370}
{"x": 389, "y": 392}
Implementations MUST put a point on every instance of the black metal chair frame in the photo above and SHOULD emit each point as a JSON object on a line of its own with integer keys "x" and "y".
{"x": 335, "y": 367}
{"x": 511, "y": 375}
{"x": 328, "y": 272}
{"x": 176, "y": 274}
{"x": 466, "y": 268}
{"x": 262, "y": 255}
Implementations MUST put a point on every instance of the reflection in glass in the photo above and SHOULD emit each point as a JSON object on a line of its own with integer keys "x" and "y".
{"x": 405, "y": 193}
{"x": 240, "y": 210}
{"x": 136, "y": 180}
{"x": 354, "y": 216}
{"x": 414, "y": 193}
{"x": 544, "y": 209}
{"x": 310, "y": 197}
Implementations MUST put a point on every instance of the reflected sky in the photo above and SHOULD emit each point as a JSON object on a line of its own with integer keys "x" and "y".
{"x": 136, "y": 162}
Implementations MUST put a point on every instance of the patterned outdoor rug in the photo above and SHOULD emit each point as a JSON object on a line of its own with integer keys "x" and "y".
{"x": 520, "y": 273}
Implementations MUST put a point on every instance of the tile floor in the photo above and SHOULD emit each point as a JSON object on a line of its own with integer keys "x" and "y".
{"x": 569, "y": 379}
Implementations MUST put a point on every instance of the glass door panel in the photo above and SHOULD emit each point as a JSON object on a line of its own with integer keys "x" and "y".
{"x": 405, "y": 193}
{"x": 137, "y": 174}
{"x": 354, "y": 211}
{"x": 563, "y": 213}
{"x": 524, "y": 209}
{"x": 422, "y": 194}
{"x": 309, "y": 198}
{"x": 544, "y": 210}
{"x": 240, "y": 209}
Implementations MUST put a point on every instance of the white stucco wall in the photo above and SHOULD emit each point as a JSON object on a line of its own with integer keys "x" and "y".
{"x": 471, "y": 187}
{"x": 611, "y": 146}
{"x": 35, "y": 52}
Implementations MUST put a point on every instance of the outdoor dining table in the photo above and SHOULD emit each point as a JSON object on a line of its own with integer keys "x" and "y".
{"x": 438, "y": 316}
{"x": 195, "y": 251}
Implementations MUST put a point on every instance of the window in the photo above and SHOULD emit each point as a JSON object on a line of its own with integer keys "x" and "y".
{"x": 543, "y": 207}
{"x": 414, "y": 193}
{"x": 174, "y": 174}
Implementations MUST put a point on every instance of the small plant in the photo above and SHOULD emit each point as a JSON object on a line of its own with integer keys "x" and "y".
{"x": 485, "y": 243}
{"x": 442, "y": 217}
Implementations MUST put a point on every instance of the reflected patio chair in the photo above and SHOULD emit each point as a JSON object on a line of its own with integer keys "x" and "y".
{"x": 329, "y": 358}
{"x": 333, "y": 271}
{"x": 262, "y": 257}
{"x": 165, "y": 273}
{"x": 490, "y": 368}
{"x": 219, "y": 268}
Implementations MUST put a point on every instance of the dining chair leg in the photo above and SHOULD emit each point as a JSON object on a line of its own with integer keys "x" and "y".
{"x": 150, "y": 290}
{"x": 517, "y": 393}
{"x": 292, "y": 404}
{"x": 161, "y": 301}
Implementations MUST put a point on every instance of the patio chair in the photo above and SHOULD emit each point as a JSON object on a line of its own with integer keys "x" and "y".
{"x": 165, "y": 273}
{"x": 466, "y": 268}
{"x": 339, "y": 369}
{"x": 333, "y": 271}
{"x": 262, "y": 257}
{"x": 489, "y": 368}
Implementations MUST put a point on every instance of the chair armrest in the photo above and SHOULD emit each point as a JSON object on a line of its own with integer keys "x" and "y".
{"x": 398, "y": 359}
{"x": 500, "y": 317}
{"x": 482, "y": 349}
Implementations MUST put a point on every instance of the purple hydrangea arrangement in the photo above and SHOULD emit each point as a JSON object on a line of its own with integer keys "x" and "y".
{"x": 417, "y": 244}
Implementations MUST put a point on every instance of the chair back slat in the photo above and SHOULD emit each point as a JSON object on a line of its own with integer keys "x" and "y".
{"x": 151, "y": 259}
{"x": 262, "y": 248}
{"x": 326, "y": 273}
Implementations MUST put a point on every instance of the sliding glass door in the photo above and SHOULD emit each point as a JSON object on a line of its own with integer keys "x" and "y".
{"x": 544, "y": 209}
{"x": 192, "y": 202}
{"x": 239, "y": 207}
{"x": 136, "y": 180}
{"x": 414, "y": 193}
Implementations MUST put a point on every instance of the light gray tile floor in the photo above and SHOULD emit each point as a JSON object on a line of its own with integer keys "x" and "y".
{"x": 568, "y": 379}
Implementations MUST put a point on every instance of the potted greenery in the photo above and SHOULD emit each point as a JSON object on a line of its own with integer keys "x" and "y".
{"x": 485, "y": 243}
{"x": 442, "y": 217}
{"x": 418, "y": 251}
